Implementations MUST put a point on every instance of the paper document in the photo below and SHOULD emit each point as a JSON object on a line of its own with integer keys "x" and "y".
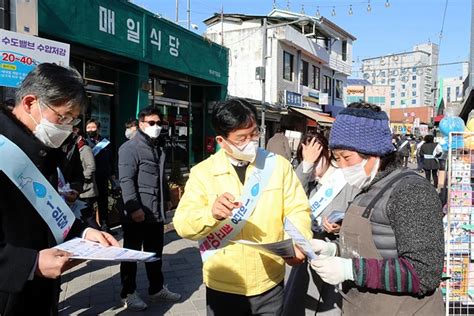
{"x": 88, "y": 250}
{"x": 283, "y": 248}
{"x": 299, "y": 239}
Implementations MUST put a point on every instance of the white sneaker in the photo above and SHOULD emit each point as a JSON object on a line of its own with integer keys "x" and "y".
{"x": 165, "y": 295}
{"x": 133, "y": 302}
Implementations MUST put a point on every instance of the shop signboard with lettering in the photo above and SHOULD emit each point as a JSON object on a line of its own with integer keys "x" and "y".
{"x": 293, "y": 99}
{"x": 125, "y": 29}
{"x": 20, "y": 53}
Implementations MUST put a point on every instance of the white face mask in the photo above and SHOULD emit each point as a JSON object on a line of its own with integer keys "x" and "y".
{"x": 246, "y": 153}
{"x": 129, "y": 133}
{"x": 152, "y": 131}
{"x": 50, "y": 134}
{"x": 355, "y": 175}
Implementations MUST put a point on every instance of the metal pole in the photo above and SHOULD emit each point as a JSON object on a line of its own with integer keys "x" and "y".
{"x": 177, "y": 15}
{"x": 189, "y": 14}
{"x": 264, "y": 65}
{"x": 222, "y": 25}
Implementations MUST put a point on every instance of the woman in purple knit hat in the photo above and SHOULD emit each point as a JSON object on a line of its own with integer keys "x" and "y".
{"x": 391, "y": 250}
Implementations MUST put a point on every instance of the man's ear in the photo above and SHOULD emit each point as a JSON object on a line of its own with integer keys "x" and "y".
{"x": 27, "y": 102}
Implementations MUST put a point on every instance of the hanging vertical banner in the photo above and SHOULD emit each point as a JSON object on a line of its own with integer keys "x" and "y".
{"x": 20, "y": 53}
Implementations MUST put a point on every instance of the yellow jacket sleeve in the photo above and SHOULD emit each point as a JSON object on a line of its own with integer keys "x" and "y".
{"x": 193, "y": 218}
{"x": 296, "y": 205}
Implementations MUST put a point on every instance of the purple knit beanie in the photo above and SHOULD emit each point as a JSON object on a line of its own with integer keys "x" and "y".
{"x": 362, "y": 130}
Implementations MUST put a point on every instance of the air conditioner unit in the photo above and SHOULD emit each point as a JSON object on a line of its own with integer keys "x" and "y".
{"x": 26, "y": 16}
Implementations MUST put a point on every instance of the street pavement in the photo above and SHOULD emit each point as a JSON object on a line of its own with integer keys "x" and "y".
{"x": 93, "y": 288}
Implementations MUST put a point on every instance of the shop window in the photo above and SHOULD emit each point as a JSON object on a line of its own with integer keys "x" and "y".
{"x": 304, "y": 75}
{"x": 287, "y": 66}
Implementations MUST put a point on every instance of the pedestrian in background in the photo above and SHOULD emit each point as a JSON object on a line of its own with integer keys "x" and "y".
{"x": 89, "y": 191}
{"x": 131, "y": 127}
{"x": 304, "y": 290}
{"x": 430, "y": 152}
{"x": 241, "y": 280}
{"x": 279, "y": 144}
{"x": 146, "y": 197}
{"x": 419, "y": 158}
{"x": 103, "y": 172}
{"x": 391, "y": 252}
{"x": 403, "y": 148}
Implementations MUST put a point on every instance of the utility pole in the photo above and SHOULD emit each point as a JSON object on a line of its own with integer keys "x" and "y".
{"x": 189, "y": 14}
{"x": 264, "y": 65}
{"x": 177, "y": 15}
{"x": 222, "y": 25}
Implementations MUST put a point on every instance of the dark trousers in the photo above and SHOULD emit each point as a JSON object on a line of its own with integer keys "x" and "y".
{"x": 419, "y": 161}
{"x": 227, "y": 304}
{"x": 88, "y": 213}
{"x": 103, "y": 199}
{"x": 434, "y": 173}
{"x": 405, "y": 161}
{"x": 150, "y": 237}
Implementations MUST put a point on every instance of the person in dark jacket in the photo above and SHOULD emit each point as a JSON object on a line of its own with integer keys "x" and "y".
{"x": 47, "y": 104}
{"x": 103, "y": 169}
{"x": 390, "y": 258}
{"x": 430, "y": 152}
{"x": 403, "y": 148}
{"x": 146, "y": 195}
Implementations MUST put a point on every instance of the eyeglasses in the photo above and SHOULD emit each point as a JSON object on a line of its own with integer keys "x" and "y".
{"x": 63, "y": 120}
{"x": 152, "y": 123}
{"x": 244, "y": 140}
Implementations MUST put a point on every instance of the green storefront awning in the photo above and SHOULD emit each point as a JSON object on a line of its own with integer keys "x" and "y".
{"x": 125, "y": 29}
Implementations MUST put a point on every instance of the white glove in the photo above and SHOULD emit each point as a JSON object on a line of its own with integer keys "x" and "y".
{"x": 333, "y": 270}
{"x": 320, "y": 247}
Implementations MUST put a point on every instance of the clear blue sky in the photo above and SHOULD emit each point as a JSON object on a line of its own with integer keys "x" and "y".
{"x": 382, "y": 31}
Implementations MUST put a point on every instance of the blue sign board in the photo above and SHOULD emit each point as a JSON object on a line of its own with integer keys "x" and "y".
{"x": 293, "y": 99}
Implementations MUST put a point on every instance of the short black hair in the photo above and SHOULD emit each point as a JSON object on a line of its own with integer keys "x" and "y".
{"x": 132, "y": 122}
{"x": 54, "y": 85}
{"x": 429, "y": 138}
{"x": 231, "y": 115}
{"x": 92, "y": 120}
{"x": 149, "y": 110}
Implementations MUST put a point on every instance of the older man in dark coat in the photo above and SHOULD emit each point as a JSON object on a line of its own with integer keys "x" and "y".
{"x": 47, "y": 104}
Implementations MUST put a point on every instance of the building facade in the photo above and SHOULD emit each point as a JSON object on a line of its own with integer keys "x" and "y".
{"x": 362, "y": 90}
{"x": 131, "y": 58}
{"x": 412, "y": 76}
{"x": 302, "y": 62}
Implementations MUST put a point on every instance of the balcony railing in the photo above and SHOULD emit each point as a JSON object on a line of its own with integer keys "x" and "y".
{"x": 294, "y": 38}
{"x": 336, "y": 63}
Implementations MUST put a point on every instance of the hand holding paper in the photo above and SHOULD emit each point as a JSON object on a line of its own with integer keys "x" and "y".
{"x": 87, "y": 250}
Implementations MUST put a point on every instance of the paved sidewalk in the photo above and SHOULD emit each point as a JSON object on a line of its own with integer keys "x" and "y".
{"x": 93, "y": 288}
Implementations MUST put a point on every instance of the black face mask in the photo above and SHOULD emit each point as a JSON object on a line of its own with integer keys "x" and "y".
{"x": 92, "y": 134}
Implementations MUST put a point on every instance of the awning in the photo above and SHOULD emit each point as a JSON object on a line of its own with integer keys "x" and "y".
{"x": 315, "y": 116}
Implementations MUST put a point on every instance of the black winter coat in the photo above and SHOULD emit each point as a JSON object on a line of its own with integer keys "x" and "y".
{"x": 141, "y": 177}
{"x": 23, "y": 233}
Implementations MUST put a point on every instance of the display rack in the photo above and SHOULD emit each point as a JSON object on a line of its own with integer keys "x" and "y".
{"x": 458, "y": 289}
